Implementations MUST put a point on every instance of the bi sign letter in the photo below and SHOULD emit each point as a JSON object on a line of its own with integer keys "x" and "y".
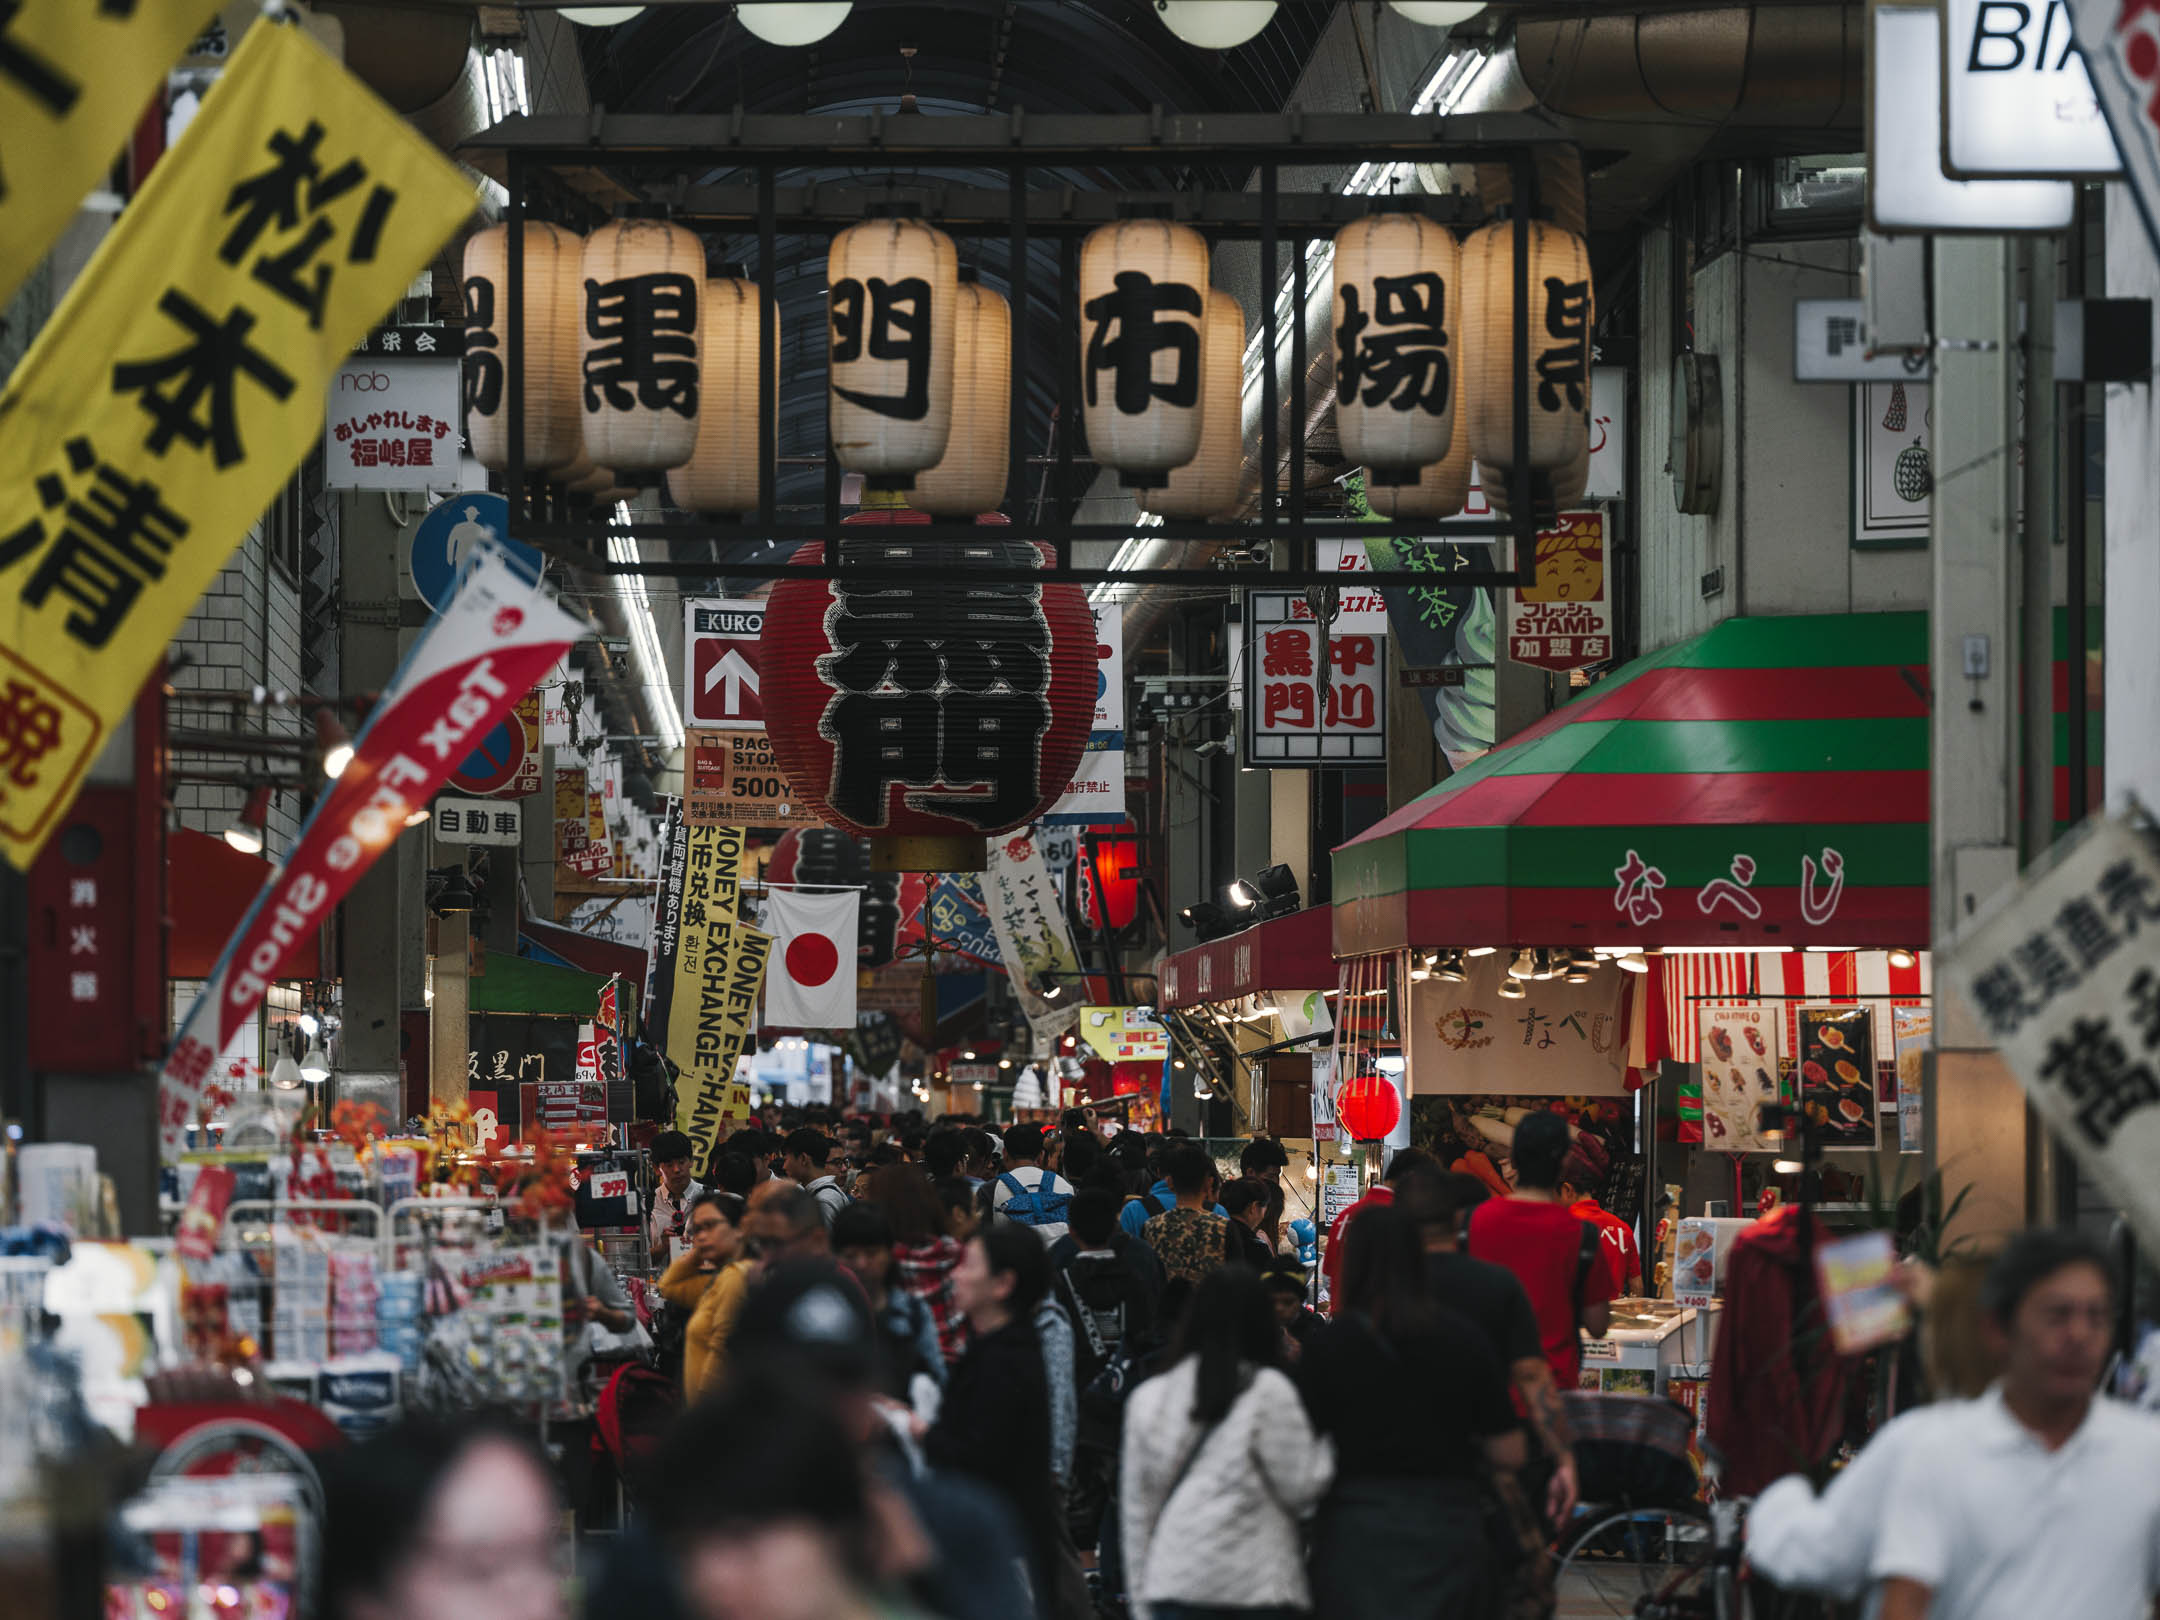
{"x": 720, "y": 665}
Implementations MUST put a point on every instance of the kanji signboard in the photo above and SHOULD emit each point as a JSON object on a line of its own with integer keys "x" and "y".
{"x": 1305, "y": 706}
{"x": 73, "y": 80}
{"x": 733, "y": 781}
{"x": 1564, "y": 621}
{"x": 719, "y": 969}
{"x": 392, "y": 424}
{"x": 476, "y": 821}
{"x": 720, "y": 665}
{"x": 2065, "y": 978}
{"x": 181, "y": 381}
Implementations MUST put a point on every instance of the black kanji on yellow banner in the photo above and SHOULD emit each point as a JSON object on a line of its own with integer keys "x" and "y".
{"x": 181, "y": 382}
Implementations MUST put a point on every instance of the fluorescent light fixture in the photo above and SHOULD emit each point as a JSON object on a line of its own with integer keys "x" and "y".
{"x": 1481, "y": 950}
{"x": 1786, "y": 1167}
{"x": 644, "y": 633}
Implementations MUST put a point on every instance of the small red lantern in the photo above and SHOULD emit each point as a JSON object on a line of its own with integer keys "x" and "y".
{"x": 1368, "y": 1106}
{"x": 928, "y": 711}
{"x": 1114, "y": 870}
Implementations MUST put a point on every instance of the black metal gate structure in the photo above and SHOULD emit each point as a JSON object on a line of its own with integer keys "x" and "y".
{"x": 761, "y": 182}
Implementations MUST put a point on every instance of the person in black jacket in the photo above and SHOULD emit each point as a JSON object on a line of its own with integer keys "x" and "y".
{"x": 994, "y": 1423}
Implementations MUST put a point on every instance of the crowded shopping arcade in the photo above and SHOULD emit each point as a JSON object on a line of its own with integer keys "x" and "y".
{"x": 1079, "y": 810}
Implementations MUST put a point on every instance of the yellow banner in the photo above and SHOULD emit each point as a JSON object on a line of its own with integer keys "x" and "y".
{"x": 719, "y": 970}
{"x": 74, "y": 80}
{"x": 181, "y": 382}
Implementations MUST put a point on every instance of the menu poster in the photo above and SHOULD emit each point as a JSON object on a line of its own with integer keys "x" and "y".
{"x": 1858, "y": 1280}
{"x": 1837, "y": 1074}
{"x": 1740, "y": 1076}
{"x": 1912, "y": 1031}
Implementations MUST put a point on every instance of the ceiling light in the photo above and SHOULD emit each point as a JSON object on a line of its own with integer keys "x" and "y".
{"x": 455, "y": 895}
{"x": 793, "y": 22}
{"x": 1051, "y": 989}
{"x": 331, "y": 738}
{"x": 1902, "y": 958}
{"x": 310, "y": 1025}
{"x": 1544, "y": 964}
{"x": 1201, "y": 1090}
{"x": 599, "y": 16}
{"x": 285, "y": 1074}
{"x": 1437, "y": 13}
{"x": 1451, "y": 969}
{"x": 1633, "y": 962}
{"x": 1312, "y": 1169}
{"x": 1512, "y": 988}
{"x": 1787, "y": 1167}
{"x": 1177, "y": 1063}
{"x": 1215, "y": 25}
{"x": 246, "y": 832}
{"x": 1580, "y": 965}
{"x": 968, "y": 1054}
{"x": 1481, "y": 950}
{"x": 420, "y": 817}
{"x": 1004, "y": 1063}
{"x": 315, "y": 1067}
{"x": 1522, "y": 967}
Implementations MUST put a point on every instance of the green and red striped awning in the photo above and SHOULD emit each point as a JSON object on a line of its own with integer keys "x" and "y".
{"x": 1764, "y": 783}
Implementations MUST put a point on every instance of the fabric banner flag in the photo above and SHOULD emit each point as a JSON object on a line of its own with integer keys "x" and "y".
{"x": 1446, "y": 629}
{"x": 811, "y": 983}
{"x": 182, "y": 380}
{"x": 469, "y": 666}
{"x": 1034, "y": 939}
{"x": 1557, "y": 1040}
{"x": 719, "y": 969}
{"x": 667, "y": 919}
{"x": 74, "y": 78}
{"x": 955, "y": 913}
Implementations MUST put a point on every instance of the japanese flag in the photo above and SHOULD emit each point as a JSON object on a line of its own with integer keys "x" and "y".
{"x": 810, "y": 980}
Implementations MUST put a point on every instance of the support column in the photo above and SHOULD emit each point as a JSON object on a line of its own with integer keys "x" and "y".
{"x": 1976, "y": 1135}
{"x": 2133, "y": 561}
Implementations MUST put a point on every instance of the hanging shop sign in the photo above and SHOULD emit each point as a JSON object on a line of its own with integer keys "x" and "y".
{"x": 721, "y": 665}
{"x": 1893, "y": 471}
{"x": 1907, "y": 189}
{"x": 1742, "y": 1075}
{"x": 1562, "y": 313}
{"x": 969, "y": 478}
{"x": 1564, "y": 621}
{"x": 392, "y": 424}
{"x": 2121, "y": 46}
{"x": 1837, "y": 1074}
{"x": 1125, "y": 1034}
{"x": 1097, "y": 792}
{"x": 582, "y": 848}
{"x": 955, "y": 914}
{"x": 1398, "y": 343}
{"x": 721, "y": 475}
{"x": 2017, "y": 101}
{"x": 1303, "y": 707}
{"x": 476, "y": 821}
{"x": 734, "y": 780}
{"x": 182, "y": 379}
{"x": 1034, "y": 940}
{"x": 1556, "y": 1040}
{"x": 719, "y": 970}
{"x": 496, "y": 639}
{"x": 74, "y": 81}
{"x": 1912, "y": 1036}
{"x": 1831, "y": 344}
{"x": 667, "y": 919}
{"x": 2064, "y": 977}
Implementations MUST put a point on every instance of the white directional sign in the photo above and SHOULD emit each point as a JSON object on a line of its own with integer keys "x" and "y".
{"x": 720, "y": 665}
{"x": 2017, "y": 98}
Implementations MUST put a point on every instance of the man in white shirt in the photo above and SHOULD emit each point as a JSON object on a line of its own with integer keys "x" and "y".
{"x": 1044, "y": 1197}
{"x": 673, "y": 1191}
{"x": 2040, "y": 1497}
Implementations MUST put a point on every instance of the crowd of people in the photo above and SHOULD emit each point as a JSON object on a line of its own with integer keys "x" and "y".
{"x": 943, "y": 1373}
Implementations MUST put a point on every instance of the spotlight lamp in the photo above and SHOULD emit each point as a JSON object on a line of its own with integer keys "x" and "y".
{"x": 1512, "y": 989}
{"x": 1632, "y": 962}
{"x": 1450, "y": 967}
{"x": 1481, "y": 950}
{"x": 1524, "y": 966}
{"x": 1903, "y": 958}
{"x": 246, "y": 832}
{"x": 1241, "y": 895}
{"x": 332, "y": 738}
{"x": 1580, "y": 966}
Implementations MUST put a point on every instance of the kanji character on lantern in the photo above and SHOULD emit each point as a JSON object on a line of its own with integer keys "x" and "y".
{"x": 1130, "y": 311}
{"x": 646, "y": 349}
{"x": 896, "y": 326}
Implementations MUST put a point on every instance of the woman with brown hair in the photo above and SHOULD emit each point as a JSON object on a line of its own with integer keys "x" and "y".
{"x": 924, "y": 1255}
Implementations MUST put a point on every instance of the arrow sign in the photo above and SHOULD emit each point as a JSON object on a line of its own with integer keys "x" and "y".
{"x": 720, "y": 656}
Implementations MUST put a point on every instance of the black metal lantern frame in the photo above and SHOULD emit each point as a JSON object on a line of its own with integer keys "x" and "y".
{"x": 576, "y": 170}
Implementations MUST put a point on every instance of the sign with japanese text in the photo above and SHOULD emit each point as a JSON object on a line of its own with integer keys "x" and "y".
{"x": 81, "y": 911}
{"x": 1912, "y": 1034}
{"x": 667, "y": 920}
{"x": 1837, "y": 1074}
{"x": 181, "y": 381}
{"x": 955, "y": 913}
{"x": 469, "y": 665}
{"x": 1125, "y": 1034}
{"x": 733, "y": 780}
{"x": 2121, "y": 48}
{"x": 2064, "y": 976}
{"x": 720, "y": 665}
{"x": 1806, "y": 894}
{"x": 74, "y": 79}
{"x": 1557, "y": 1040}
{"x": 392, "y": 424}
{"x": 2016, "y": 97}
{"x": 1304, "y": 707}
{"x": 1740, "y": 1075}
{"x": 1359, "y": 608}
{"x": 719, "y": 970}
{"x": 1034, "y": 939}
{"x": 1564, "y": 621}
{"x": 476, "y": 821}
{"x": 1097, "y": 790}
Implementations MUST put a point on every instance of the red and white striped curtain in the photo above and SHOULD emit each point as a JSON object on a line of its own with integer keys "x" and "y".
{"x": 1692, "y": 980}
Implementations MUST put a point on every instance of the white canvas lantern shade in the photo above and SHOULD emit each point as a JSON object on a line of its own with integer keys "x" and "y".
{"x": 1143, "y": 298}
{"x": 892, "y": 306}
{"x": 969, "y": 478}
{"x": 722, "y": 472}
{"x": 1561, "y": 313}
{"x": 1398, "y": 349}
{"x": 640, "y": 344}
{"x": 550, "y": 308}
{"x": 1211, "y": 485}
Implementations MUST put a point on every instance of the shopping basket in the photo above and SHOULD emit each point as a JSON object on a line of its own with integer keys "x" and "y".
{"x": 1633, "y": 1449}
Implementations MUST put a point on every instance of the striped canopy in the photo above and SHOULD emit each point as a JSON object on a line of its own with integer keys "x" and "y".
{"x": 1764, "y": 783}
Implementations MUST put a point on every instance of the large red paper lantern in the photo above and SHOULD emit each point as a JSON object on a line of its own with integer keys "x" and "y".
{"x": 1368, "y": 1106}
{"x": 1114, "y": 872}
{"x": 930, "y": 710}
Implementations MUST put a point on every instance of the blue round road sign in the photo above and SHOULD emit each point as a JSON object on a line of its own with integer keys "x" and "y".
{"x": 451, "y": 529}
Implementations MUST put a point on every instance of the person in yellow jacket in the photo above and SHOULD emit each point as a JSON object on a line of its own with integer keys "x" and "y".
{"x": 709, "y": 1282}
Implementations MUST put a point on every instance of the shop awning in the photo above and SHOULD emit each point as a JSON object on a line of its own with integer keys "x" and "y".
{"x": 209, "y": 886}
{"x": 565, "y": 947}
{"x": 1764, "y": 783}
{"x": 1287, "y": 953}
{"x": 518, "y": 984}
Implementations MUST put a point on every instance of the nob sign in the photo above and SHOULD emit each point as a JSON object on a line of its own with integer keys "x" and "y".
{"x": 2017, "y": 101}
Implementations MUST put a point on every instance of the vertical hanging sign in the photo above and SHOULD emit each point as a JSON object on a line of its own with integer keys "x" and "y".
{"x": 719, "y": 970}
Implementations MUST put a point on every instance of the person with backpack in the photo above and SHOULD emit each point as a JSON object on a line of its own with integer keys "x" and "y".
{"x": 1221, "y": 1468}
{"x": 902, "y": 1323}
{"x": 1143, "y": 1207}
{"x": 1111, "y": 1304}
{"x": 1027, "y": 1191}
{"x": 1189, "y": 1238}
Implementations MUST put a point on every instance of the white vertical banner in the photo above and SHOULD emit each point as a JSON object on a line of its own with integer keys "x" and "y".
{"x": 1033, "y": 937}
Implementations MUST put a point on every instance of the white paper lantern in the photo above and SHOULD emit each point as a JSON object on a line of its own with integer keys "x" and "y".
{"x": 1215, "y": 25}
{"x": 1561, "y": 193}
{"x": 551, "y": 304}
{"x": 969, "y": 478}
{"x": 1212, "y": 483}
{"x": 1398, "y": 354}
{"x": 793, "y": 22}
{"x": 1143, "y": 290}
{"x": 1437, "y": 13}
{"x": 639, "y": 347}
{"x": 722, "y": 472}
{"x": 892, "y": 305}
{"x": 599, "y": 16}
{"x": 1552, "y": 489}
{"x": 1441, "y": 489}
{"x": 1561, "y": 315}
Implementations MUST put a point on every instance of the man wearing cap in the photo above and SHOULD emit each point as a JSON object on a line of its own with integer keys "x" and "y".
{"x": 673, "y": 1191}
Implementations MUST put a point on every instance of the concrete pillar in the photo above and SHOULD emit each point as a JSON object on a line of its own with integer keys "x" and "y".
{"x": 2133, "y": 561}
{"x": 1976, "y": 1131}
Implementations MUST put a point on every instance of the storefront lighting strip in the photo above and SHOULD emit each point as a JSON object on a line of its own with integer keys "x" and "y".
{"x": 645, "y": 635}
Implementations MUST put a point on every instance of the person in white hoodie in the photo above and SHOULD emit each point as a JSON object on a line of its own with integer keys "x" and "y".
{"x": 1221, "y": 1466}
